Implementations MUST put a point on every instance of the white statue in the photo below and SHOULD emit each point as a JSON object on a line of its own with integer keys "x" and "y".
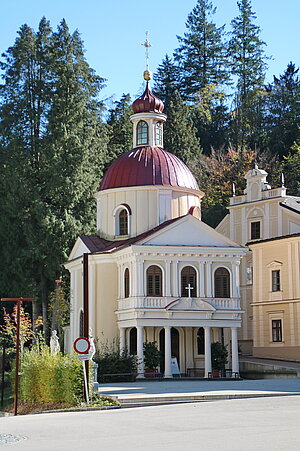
{"x": 92, "y": 350}
{"x": 54, "y": 343}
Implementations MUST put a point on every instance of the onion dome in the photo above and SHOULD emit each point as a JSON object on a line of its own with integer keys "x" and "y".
{"x": 144, "y": 166}
{"x": 148, "y": 103}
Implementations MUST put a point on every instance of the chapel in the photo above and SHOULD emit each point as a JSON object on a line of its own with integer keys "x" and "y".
{"x": 156, "y": 271}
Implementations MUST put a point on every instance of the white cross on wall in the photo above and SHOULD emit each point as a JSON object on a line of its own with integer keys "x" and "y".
{"x": 189, "y": 288}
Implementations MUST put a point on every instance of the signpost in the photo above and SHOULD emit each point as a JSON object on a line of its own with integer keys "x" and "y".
{"x": 82, "y": 346}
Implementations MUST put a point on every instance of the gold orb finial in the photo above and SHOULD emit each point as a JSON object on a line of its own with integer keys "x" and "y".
{"x": 147, "y": 75}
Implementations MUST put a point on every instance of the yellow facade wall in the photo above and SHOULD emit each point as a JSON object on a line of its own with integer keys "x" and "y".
{"x": 281, "y": 255}
{"x": 106, "y": 302}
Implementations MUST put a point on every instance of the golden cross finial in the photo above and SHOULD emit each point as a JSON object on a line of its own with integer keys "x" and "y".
{"x": 147, "y": 44}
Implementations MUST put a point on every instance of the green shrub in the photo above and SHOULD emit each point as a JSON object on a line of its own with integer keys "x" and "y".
{"x": 151, "y": 355}
{"x": 47, "y": 377}
{"x": 110, "y": 361}
{"x": 219, "y": 356}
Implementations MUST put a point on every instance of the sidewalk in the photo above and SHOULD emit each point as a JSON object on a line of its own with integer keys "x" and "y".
{"x": 176, "y": 391}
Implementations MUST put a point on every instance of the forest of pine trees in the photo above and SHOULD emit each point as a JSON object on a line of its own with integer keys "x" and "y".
{"x": 55, "y": 143}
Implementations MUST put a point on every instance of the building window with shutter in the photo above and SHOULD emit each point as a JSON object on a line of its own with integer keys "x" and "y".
{"x": 222, "y": 283}
{"x": 123, "y": 222}
{"x": 126, "y": 283}
{"x": 200, "y": 341}
{"x": 154, "y": 281}
{"x": 158, "y": 134}
{"x": 255, "y": 230}
{"x": 276, "y": 280}
{"x": 142, "y": 133}
{"x": 276, "y": 330}
{"x": 188, "y": 279}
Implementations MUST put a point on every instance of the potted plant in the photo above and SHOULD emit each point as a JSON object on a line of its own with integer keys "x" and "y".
{"x": 219, "y": 356}
{"x": 151, "y": 358}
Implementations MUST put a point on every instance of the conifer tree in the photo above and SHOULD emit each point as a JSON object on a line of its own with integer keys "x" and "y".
{"x": 167, "y": 80}
{"x": 52, "y": 155}
{"x": 248, "y": 60}
{"x": 120, "y": 127}
{"x": 180, "y": 133}
{"x": 283, "y": 111}
{"x": 248, "y": 65}
{"x": 202, "y": 54}
{"x": 210, "y": 116}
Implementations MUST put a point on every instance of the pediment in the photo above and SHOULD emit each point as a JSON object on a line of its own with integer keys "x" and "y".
{"x": 190, "y": 304}
{"x": 78, "y": 250}
{"x": 189, "y": 231}
{"x": 274, "y": 264}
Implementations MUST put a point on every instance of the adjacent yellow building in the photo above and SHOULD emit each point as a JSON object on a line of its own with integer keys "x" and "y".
{"x": 267, "y": 221}
{"x": 276, "y": 297}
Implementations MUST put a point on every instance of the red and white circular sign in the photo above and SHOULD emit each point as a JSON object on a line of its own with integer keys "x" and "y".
{"x": 81, "y": 345}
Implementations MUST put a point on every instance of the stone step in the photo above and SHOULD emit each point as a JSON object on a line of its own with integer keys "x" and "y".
{"x": 161, "y": 400}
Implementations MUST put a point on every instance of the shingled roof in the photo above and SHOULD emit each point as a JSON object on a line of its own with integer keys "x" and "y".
{"x": 97, "y": 245}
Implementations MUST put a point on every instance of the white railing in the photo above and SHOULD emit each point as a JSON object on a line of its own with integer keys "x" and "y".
{"x": 162, "y": 302}
{"x": 237, "y": 200}
{"x": 276, "y": 192}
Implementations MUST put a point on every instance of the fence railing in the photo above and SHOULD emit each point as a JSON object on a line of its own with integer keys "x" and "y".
{"x": 145, "y": 302}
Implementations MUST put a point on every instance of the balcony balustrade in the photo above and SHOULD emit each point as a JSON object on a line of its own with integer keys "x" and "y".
{"x": 148, "y": 302}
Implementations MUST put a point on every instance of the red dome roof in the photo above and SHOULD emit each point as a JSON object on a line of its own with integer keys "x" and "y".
{"x": 145, "y": 166}
{"x": 148, "y": 103}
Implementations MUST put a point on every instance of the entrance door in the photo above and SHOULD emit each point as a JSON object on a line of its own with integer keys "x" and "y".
{"x": 174, "y": 347}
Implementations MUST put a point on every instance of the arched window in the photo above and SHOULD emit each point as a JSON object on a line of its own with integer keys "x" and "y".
{"x": 122, "y": 215}
{"x": 81, "y": 324}
{"x": 123, "y": 222}
{"x": 133, "y": 341}
{"x": 154, "y": 281}
{"x": 126, "y": 283}
{"x": 222, "y": 283}
{"x": 158, "y": 134}
{"x": 188, "y": 279}
{"x": 142, "y": 133}
{"x": 200, "y": 341}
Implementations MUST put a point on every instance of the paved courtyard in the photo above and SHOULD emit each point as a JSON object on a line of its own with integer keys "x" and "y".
{"x": 184, "y": 389}
{"x": 228, "y": 425}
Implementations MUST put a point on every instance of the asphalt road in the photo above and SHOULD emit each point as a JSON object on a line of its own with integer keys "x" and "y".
{"x": 243, "y": 425}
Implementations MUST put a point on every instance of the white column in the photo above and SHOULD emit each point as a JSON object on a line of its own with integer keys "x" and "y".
{"x": 140, "y": 351}
{"x": 201, "y": 280}
{"x": 168, "y": 369}
{"x": 235, "y": 279}
{"x": 139, "y": 278}
{"x": 234, "y": 350}
{"x": 208, "y": 280}
{"x": 207, "y": 342}
{"x": 122, "y": 331}
{"x": 175, "y": 279}
{"x": 168, "y": 278}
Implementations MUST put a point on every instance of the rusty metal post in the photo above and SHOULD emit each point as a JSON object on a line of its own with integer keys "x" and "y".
{"x": 86, "y": 306}
{"x": 19, "y": 303}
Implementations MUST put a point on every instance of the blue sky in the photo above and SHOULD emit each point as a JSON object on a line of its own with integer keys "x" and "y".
{"x": 113, "y": 30}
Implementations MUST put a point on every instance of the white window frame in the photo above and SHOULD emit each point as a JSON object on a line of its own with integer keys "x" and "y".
{"x": 116, "y": 213}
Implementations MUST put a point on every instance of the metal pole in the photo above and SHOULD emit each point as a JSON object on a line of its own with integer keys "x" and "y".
{"x": 86, "y": 312}
{"x": 19, "y": 302}
{"x": 86, "y": 385}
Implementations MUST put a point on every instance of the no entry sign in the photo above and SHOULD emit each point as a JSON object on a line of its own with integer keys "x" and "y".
{"x": 81, "y": 345}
